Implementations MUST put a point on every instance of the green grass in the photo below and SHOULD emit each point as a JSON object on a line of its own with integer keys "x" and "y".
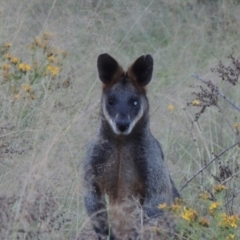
{"x": 43, "y": 139}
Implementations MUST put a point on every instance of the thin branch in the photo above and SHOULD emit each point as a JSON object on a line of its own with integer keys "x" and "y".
{"x": 235, "y": 195}
{"x": 221, "y": 94}
{"x": 206, "y": 165}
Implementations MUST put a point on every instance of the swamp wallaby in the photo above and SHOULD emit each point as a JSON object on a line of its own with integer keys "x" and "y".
{"x": 124, "y": 160}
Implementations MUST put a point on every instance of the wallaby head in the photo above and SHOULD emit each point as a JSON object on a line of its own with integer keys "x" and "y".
{"x": 124, "y": 102}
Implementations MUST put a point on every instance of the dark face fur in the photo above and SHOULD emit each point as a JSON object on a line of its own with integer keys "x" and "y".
{"x": 124, "y": 100}
{"x": 123, "y": 105}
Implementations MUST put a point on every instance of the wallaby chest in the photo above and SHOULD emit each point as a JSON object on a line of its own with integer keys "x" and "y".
{"x": 119, "y": 175}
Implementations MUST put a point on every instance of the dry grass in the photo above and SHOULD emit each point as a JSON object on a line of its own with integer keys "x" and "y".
{"x": 42, "y": 143}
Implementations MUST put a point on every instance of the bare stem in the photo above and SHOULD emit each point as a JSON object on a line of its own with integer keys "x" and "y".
{"x": 206, "y": 165}
{"x": 235, "y": 195}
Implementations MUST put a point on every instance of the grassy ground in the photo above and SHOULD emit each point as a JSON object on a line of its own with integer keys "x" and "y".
{"x": 44, "y": 128}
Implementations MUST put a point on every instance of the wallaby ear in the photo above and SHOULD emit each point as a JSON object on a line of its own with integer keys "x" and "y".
{"x": 107, "y": 67}
{"x": 142, "y": 69}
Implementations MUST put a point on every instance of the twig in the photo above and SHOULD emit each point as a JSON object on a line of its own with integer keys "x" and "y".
{"x": 221, "y": 94}
{"x": 235, "y": 195}
{"x": 206, "y": 165}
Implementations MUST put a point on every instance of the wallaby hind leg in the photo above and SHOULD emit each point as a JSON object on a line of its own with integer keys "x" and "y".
{"x": 96, "y": 208}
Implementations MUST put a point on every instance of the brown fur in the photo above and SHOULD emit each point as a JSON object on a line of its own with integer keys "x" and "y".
{"x": 130, "y": 74}
{"x": 119, "y": 178}
{"x": 118, "y": 75}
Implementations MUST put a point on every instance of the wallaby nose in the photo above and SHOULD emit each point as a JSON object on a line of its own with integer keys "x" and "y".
{"x": 122, "y": 125}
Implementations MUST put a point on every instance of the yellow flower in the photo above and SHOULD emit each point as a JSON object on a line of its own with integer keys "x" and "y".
{"x": 171, "y": 107}
{"x": 21, "y": 67}
{"x": 14, "y": 60}
{"x": 53, "y": 70}
{"x": 218, "y": 188}
{"x": 27, "y": 67}
{"x": 51, "y": 59}
{"x": 213, "y": 207}
{"x": 16, "y": 96}
{"x": 236, "y": 125}
{"x": 189, "y": 214}
{"x": 176, "y": 207}
{"x": 6, "y": 67}
{"x": 162, "y": 206}
{"x": 196, "y": 102}
{"x": 204, "y": 222}
{"x": 230, "y": 237}
{"x": 204, "y": 195}
{"x": 24, "y": 67}
{"x": 229, "y": 221}
{"x": 26, "y": 87}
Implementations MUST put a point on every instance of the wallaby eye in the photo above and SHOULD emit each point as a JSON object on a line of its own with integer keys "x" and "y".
{"x": 135, "y": 103}
{"x": 110, "y": 101}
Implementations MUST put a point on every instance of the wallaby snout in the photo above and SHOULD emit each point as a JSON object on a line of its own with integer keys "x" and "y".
{"x": 123, "y": 123}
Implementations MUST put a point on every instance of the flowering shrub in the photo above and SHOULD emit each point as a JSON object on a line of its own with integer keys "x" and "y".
{"x": 210, "y": 214}
{"x": 217, "y": 204}
{"x": 33, "y": 79}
